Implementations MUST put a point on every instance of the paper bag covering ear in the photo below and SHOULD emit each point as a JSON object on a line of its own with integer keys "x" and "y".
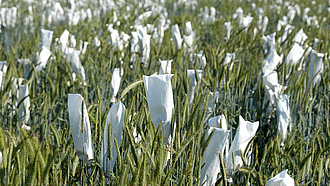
{"x": 283, "y": 115}
{"x": 228, "y": 59}
{"x": 80, "y": 127}
{"x": 165, "y": 66}
{"x": 300, "y": 37}
{"x": 315, "y": 68}
{"x": 193, "y": 82}
{"x": 115, "y": 82}
{"x": 160, "y": 102}
{"x": 211, "y": 160}
{"x": 213, "y": 98}
{"x": 144, "y": 45}
{"x": 46, "y": 38}
{"x": 201, "y": 60}
{"x": 282, "y": 179}
{"x": 294, "y": 55}
{"x": 24, "y": 108}
{"x": 43, "y": 58}
{"x": 293, "y": 58}
{"x": 244, "y": 133}
{"x": 270, "y": 81}
{"x": 176, "y": 36}
{"x": 271, "y": 61}
{"x": 188, "y": 28}
{"x": 1, "y": 74}
{"x": 74, "y": 60}
{"x": 268, "y": 42}
{"x": 220, "y": 122}
{"x": 115, "y": 120}
{"x": 228, "y": 28}
{"x": 64, "y": 40}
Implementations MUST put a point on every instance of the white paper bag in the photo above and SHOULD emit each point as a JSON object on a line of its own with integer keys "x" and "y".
{"x": 23, "y": 113}
{"x": 64, "y": 40}
{"x": 160, "y": 102}
{"x": 246, "y": 22}
{"x": 46, "y": 38}
{"x": 43, "y": 58}
{"x": 268, "y": 42}
{"x": 144, "y": 46}
{"x": 271, "y": 61}
{"x": 80, "y": 127}
{"x": 115, "y": 119}
{"x": 282, "y": 179}
{"x": 115, "y": 82}
{"x": 1, "y": 74}
{"x": 142, "y": 17}
{"x": 264, "y": 24}
{"x": 293, "y": 57}
{"x": 193, "y": 83}
{"x": 283, "y": 115}
{"x": 315, "y": 68}
{"x": 201, "y": 60}
{"x": 213, "y": 98}
{"x": 3, "y": 66}
{"x": 211, "y": 160}
{"x": 189, "y": 42}
{"x": 287, "y": 30}
{"x": 218, "y": 121}
{"x": 83, "y": 47}
{"x": 244, "y": 133}
{"x": 73, "y": 59}
{"x": 165, "y": 66}
{"x": 316, "y": 42}
{"x": 188, "y": 28}
{"x": 238, "y": 15}
{"x": 228, "y": 60}
{"x": 300, "y": 37}
{"x": 176, "y": 36}
{"x": 3, "y": 70}
{"x": 158, "y": 34}
{"x": 228, "y": 28}
{"x": 10, "y": 17}
{"x": 270, "y": 81}
{"x": 135, "y": 47}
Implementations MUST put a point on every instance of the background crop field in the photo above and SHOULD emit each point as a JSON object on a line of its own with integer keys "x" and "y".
{"x": 45, "y": 154}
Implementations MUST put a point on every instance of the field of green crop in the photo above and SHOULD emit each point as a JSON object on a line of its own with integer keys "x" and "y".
{"x": 36, "y": 138}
